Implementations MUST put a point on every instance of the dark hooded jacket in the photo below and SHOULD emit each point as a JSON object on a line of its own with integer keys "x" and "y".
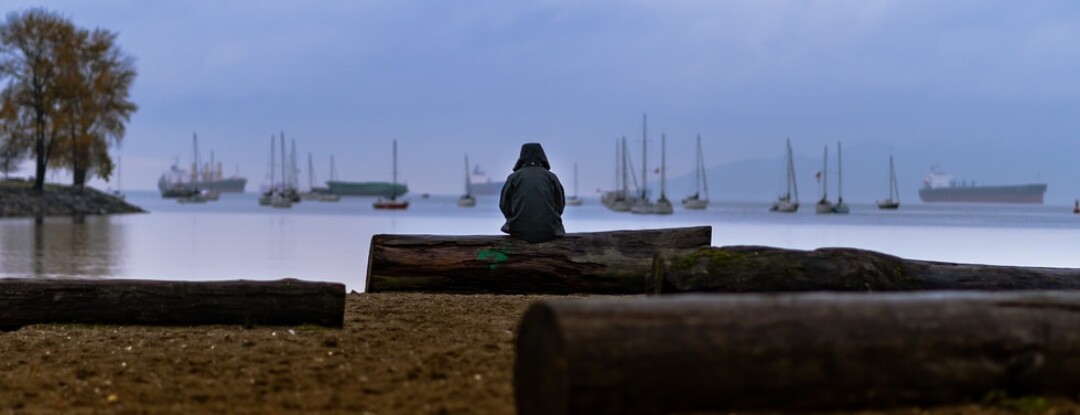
{"x": 532, "y": 199}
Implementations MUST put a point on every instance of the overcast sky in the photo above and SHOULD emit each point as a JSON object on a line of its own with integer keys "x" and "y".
{"x": 980, "y": 80}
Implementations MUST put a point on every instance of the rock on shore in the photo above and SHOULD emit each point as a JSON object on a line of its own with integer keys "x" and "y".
{"x": 18, "y": 199}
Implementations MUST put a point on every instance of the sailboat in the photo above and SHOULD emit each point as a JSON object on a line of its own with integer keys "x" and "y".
{"x": 392, "y": 203}
{"x": 617, "y": 200}
{"x": 197, "y": 196}
{"x": 695, "y": 201}
{"x": 824, "y": 205}
{"x": 267, "y": 196}
{"x": 282, "y": 198}
{"x": 840, "y": 206}
{"x": 893, "y": 201}
{"x": 574, "y": 200}
{"x": 467, "y": 199}
{"x": 789, "y": 201}
{"x": 662, "y": 205}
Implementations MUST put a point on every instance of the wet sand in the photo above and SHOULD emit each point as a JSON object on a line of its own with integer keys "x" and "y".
{"x": 397, "y": 354}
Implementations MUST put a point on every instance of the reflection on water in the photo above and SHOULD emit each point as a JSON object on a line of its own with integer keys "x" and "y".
{"x": 236, "y": 239}
{"x": 83, "y": 247}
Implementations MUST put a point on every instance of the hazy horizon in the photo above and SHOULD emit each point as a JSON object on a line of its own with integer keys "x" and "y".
{"x": 985, "y": 89}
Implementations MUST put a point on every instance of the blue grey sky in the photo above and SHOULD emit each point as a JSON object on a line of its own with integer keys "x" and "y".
{"x": 988, "y": 89}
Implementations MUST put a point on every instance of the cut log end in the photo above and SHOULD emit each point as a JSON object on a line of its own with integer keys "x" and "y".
{"x": 540, "y": 365}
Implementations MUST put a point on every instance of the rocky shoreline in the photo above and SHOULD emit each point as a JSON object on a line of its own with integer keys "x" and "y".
{"x": 18, "y": 199}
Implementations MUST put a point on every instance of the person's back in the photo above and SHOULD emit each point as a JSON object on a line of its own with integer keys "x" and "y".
{"x": 532, "y": 198}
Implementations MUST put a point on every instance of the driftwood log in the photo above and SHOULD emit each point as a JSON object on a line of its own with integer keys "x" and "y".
{"x": 688, "y": 353}
{"x": 26, "y": 301}
{"x": 766, "y": 269}
{"x": 615, "y": 262}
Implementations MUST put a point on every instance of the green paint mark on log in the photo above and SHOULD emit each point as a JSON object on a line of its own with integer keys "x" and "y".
{"x": 493, "y": 256}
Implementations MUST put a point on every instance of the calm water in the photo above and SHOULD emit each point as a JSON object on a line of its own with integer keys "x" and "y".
{"x": 235, "y": 238}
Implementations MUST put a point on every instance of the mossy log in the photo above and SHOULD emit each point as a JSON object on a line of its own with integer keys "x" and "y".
{"x": 25, "y": 301}
{"x": 617, "y": 262}
{"x": 766, "y": 269}
{"x": 725, "y": 352}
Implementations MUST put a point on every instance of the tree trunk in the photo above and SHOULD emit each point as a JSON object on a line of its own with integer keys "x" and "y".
{"x": 692, "y": 353}
{"x": 614, "y": 262}
{"x": 282, "y": 302}
{"x": 765, "y": 269}
{"x": 78, "y": 177}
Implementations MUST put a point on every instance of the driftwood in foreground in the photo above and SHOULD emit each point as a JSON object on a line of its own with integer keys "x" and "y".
{"x": 617, "y": 262}
{"x": 766, "y": 269}
{"x": 145, "y": 302}
{"x": 688, "y": 353}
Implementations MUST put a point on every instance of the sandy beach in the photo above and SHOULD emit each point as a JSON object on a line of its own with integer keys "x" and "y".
{"x": 397, "y": 354}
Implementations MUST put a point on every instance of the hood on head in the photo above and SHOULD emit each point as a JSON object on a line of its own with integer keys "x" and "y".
{"x": 532, "y": 154}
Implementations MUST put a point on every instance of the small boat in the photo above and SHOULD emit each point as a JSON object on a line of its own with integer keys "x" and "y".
{"x": 696, "y": 201}
{"x": 789, "y": 201}
{"x": 195, "y": 198}
{"x": 824, "y": 205}
{"x": 574, "y": 200}
{"x": 467, "y": 199}
{"x": 1076, "y": 207}
{"x": 391, "y": 203}
{"x": 893, "y": 201}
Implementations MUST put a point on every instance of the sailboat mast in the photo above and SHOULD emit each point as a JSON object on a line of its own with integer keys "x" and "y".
{"x": 839, "y": 173}
{"x": 310, "y": 173}
{"x": 697, "y": 167}
{"x": 825, "y": 176}
{"x": 663, "y": 159}
{"x": 283, "y": 174}
{"x": 294, "y": 173}
{"x": 625, "y": 180}
{"x": 195, "y": 164}
{"x": 617, "y": 172}
{"x": 792, "y": 185}
{"x": 393, "y": 190}
{"x": 893, "y": 191}
{"x": 468, "y": 183}
{"x": 701, "y": 161}
{"x": 644, "y": 154}
{"x": 273, "y": 163}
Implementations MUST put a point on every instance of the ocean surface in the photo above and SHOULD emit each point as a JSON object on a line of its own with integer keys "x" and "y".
{"x": 235, "y": 238}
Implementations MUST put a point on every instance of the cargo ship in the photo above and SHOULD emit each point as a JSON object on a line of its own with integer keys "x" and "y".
{"x": 177, "y": 182}
{"x": 482, "y": 184}
{"x": 941, "y": 187}
{"x": 380, "y": 189}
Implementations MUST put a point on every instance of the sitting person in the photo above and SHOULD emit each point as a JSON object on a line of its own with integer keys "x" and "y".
{"x": 532, "y": 198}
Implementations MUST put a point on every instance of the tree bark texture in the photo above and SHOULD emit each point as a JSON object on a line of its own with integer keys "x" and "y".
{"x": 766, "y": 269}
{"x": 616, "y": 262}
{"x": 145, "y": 302}
{"x": 723, "y": 352}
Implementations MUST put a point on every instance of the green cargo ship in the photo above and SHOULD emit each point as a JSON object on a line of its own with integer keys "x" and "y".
{"x": 381, "y": 189}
